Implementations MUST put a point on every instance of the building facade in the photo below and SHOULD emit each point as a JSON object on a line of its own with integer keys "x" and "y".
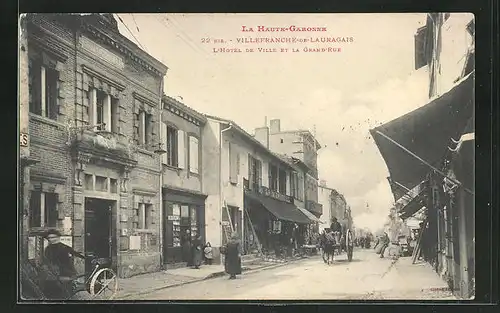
{"x": 325, "y": 199}
{"x": 302, "y": 145}
{"x": 443, "y": 136}
{"x": 95, "y": 104}
{"x": 248, "y": 189}
{"x": 183, "y": 211}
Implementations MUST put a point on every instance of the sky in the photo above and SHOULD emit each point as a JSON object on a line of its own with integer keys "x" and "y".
{"x": 338, "y": 95}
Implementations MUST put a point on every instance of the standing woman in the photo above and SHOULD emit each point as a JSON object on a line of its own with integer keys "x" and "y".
{"x": 233, "y": 257}
{"x": 197, "y": 251}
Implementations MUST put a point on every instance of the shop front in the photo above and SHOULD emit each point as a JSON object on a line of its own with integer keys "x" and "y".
{"x": 183, "y": 221}
{"x": 278, "y": 225}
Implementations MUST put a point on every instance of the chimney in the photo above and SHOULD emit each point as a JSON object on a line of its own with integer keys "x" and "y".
{"x": 262, "y": 135}
{"x": 275, "y": 126}
{"x": 322, "y": 183}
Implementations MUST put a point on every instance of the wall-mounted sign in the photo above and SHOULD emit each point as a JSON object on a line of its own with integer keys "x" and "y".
{"x": 225, "y": 223}
{"x": 23, "y": 139}
{"x": 135, "y": 243}
{"x": 173, "y": 218}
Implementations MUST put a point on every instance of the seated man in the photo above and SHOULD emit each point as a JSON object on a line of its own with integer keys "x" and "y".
{"x": 335, "y": 226}
{"x": 59, "y": 266}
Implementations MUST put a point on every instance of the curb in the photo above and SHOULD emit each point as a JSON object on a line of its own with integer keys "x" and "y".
{"x": 210, "y": 276}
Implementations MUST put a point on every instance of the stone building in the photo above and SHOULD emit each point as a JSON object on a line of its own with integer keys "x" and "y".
{"x": 94, "y": 102}
{"x": 182, "y": 168}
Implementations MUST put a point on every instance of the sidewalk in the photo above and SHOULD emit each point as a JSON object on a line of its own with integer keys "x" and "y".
{"x": 404, "y": 280}
{"x": 146, "y": 283}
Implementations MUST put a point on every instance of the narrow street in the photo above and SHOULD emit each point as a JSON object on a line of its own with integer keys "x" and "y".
{"x": 366, "y": 277}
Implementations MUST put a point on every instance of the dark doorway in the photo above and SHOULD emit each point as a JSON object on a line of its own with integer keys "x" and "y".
{"x": 99, "y": 239}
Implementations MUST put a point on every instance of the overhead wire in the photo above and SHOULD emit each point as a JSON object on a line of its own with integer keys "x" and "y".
{"x": 137, "y": 40}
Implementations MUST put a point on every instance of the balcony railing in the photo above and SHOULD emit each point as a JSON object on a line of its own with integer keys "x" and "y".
{"x": 103, "y": 143}
{"x": 315, "y": 207}
{"x": 265, "y": 191}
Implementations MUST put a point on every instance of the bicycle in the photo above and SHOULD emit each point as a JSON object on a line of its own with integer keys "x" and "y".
{"x": 101, "y": 283}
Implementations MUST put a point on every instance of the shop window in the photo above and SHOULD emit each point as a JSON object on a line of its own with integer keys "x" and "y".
{"x": 113, "y": 185}
{"x": 43, "y": 90}
{"x": 101, "y": 183}
{"x": 43, "y": 209}
{"x": 89, "y": 182}
{"x": 184, "y": 211}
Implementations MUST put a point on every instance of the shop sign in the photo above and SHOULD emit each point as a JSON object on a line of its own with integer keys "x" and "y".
{"x": 23, "y": 139}
{"x": 173, "y": 218}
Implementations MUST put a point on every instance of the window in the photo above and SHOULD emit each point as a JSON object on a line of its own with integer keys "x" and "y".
{"x": 101, "y": 183}
{"x": 193, "y": 155}
{"x": 145, "y": 217}
{"x": 113, "y": 185}
{"x": 103, "y": 110}
{"x": 89, "y": 182}
{"x": 282, "y": 181}
{"x": 172, "y": 147}
{"x": 233, "y": 164}
{"x": 300, "y": 186}
{"x": 43, "y": 209}
{"x": 43, "y": 90}
{"x": 273, "y": 177}
{"x": 254, "y": 173}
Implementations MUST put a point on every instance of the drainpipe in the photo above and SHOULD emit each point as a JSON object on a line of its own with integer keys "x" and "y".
{"x": 160, "y": 187}
{"x": 221, "y": 185}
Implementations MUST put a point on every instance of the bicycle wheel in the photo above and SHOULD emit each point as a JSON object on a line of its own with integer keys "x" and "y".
{"x": 104, "y": 284}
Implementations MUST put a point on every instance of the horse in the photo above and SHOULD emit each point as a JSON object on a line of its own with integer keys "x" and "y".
{"x": 331, "y": 242}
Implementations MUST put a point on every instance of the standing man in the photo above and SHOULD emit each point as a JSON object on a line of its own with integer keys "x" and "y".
{"x": 384, "y": 241}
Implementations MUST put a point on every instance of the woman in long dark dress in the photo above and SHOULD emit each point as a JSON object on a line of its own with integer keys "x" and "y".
{"x": 233, "y": 257}
{"x": 197, "y": 252}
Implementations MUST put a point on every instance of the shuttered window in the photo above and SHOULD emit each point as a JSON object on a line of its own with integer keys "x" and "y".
{"x": 164, "y": 140}
{"x": 172, "y": 146}
{"x": 181, "y": 152}
{"x": 193, "y": 155}
{"x": 233, "y": 164}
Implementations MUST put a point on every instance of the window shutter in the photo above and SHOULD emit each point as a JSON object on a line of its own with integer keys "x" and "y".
{"x": 193, "y": 154}
{"x": 233, "y": 174}
{"x": 181, "y": 149}
{"x": 163, "y": 140}
{"x": 420, "y": 53}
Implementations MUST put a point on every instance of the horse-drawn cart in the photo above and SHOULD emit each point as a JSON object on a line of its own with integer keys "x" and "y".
{"x": 335, "y": 243}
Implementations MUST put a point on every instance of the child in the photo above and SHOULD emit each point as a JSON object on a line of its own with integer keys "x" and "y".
{"x": 208, "y": 253}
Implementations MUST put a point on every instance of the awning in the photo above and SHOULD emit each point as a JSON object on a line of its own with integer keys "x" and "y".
{"x": 413, "y": 206}
{"x": 282, "y": 210}
{"x": 310, "y": 216}
{"x": 426, "y": 132}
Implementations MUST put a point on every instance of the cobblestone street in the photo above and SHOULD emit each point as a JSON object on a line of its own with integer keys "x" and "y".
{"x": 367, "y": 277}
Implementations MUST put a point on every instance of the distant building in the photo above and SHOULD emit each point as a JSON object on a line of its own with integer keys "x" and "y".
{"x": 302, "y": 145}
